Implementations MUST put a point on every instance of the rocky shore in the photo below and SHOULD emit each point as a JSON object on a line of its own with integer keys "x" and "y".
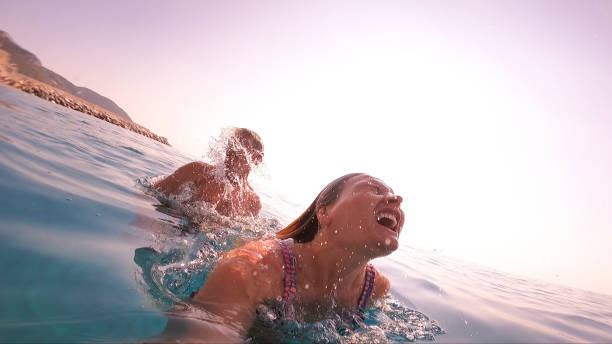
{"x": 44, "y": 91}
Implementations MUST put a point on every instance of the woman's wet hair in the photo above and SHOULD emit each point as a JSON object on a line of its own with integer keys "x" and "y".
{"x": 304, "y": 228}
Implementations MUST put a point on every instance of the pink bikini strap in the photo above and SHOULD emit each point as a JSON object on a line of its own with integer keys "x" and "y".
{"x": 290, "y": 284}
{"x": 368, "y": 286}
{"x": 290, "y": 281}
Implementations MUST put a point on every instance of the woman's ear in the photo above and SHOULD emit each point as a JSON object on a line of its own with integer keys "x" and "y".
{"x": 323, "y": 216}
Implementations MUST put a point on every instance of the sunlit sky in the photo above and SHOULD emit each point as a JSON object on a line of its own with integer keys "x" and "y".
{"x": 491, "y": 118}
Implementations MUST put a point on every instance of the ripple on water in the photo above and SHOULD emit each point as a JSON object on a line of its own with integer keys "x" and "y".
{"x": 132, "y": 149}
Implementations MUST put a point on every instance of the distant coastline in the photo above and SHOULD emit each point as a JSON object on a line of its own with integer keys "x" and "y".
{"x": 23, "y": 71}
{"x": 54, "y": 95}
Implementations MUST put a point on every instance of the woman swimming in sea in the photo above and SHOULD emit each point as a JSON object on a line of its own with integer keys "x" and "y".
{"x": 316, "y": 265}
{"x": 226, "y": 189}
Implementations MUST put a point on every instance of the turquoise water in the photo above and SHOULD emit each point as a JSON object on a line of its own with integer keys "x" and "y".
{"x": 88, "y": 254}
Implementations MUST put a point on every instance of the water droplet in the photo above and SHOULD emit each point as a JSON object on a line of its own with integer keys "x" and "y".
{"x": 378, "y": 243}
{"x": 387, "y": 242}
{"x": 335, "y": 231}
{"x": 307, "y": 286}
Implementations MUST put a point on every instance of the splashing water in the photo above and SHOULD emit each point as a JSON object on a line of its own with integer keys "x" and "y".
{"x": 218, "y": 147}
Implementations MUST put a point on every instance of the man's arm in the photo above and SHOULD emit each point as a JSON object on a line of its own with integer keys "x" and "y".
{"x": 254, "y": 205}
{"x": 190, "y": 172}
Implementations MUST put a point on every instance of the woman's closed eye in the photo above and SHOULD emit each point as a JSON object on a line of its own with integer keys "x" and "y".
{"x": 376, "y": 189}
{"x": 379, "y": 190}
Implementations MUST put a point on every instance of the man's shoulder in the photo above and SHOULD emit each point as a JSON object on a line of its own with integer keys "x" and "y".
{"x": 202, "y": 174}
{"x": 199, "y": 165}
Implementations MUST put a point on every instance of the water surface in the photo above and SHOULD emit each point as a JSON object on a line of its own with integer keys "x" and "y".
{"x": 76, "y": 221}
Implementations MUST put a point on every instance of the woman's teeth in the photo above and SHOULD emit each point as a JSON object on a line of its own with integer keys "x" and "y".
{"x": 387, "y": 219}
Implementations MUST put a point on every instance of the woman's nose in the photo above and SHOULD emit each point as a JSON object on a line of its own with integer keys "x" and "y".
{"x": 393, "y": 198}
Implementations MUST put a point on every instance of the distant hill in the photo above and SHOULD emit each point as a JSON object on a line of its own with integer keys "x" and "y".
{"x": 28, "y": 64}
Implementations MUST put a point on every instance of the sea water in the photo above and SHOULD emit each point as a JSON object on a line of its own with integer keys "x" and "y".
{"x": 88, "y": 253}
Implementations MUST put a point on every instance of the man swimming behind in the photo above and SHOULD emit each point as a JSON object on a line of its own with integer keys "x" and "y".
{"x": 224, "y": 188}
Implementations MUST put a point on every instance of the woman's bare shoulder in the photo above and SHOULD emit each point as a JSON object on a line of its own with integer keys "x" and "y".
{"x": 258, "y": 261}
{"x": 381, "y": 286}
{"x": 256, "y": 252}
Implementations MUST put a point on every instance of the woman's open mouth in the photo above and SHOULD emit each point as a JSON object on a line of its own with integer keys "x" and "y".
{"x": 388, "y": 220}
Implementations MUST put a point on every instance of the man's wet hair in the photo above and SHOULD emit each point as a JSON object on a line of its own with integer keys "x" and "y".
{"x": 250, "y": 135}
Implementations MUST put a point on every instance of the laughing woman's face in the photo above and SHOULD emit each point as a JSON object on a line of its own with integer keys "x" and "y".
{"x": 367, "y": 215}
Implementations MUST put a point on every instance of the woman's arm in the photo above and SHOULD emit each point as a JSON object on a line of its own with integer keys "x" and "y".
{"x": 231, "y": 294}
{"x": 237, "y": 284}
{"x": 226, "y": 308}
